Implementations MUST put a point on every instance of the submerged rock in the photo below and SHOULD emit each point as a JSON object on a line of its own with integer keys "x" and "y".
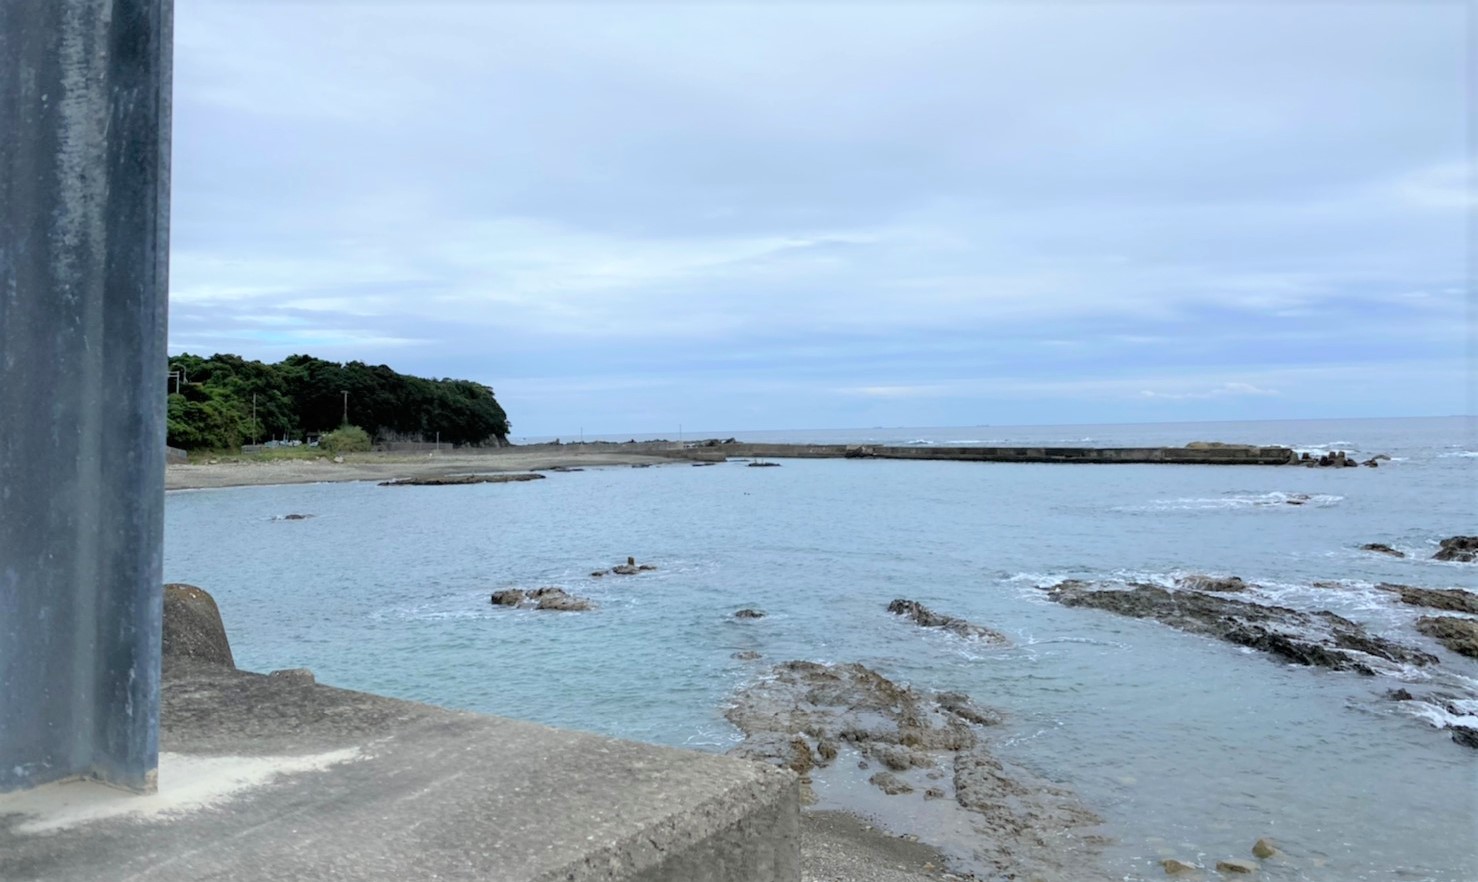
{"x": 1447, "y": 599}
{"x": 890, "y": 783}
{"x": 746, "y": 655}
{"x": 1320, "y": 639}
{"x": 1463, "y": 549}
{"x": 748, "y": 613}
{"x": 1458, "y": 635}
{"x": 927, "y": 618}
{"x": 1236, "y": 866}
{"x": 1381, "y": 548}
{"x": 1467, "y": 736}
{"x": 1174, "y": 867}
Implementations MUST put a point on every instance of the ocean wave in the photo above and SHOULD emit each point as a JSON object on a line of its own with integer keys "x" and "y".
{"x": 1237, "y": 501}
{"x": 1465, "y": 454}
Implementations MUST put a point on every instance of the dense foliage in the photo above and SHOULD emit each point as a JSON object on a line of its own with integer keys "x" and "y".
{"x": 211, "y": 403}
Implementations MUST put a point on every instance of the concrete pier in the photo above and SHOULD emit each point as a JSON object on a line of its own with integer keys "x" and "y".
{"x": 271, "y": 777}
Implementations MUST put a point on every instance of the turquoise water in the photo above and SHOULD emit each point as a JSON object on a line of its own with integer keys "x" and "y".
{"x": 1188, "y": 747}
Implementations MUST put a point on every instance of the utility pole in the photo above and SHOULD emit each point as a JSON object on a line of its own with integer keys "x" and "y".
{"x": 346, "y": 408}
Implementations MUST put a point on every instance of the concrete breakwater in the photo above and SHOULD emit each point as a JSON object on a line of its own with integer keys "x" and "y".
{"x": 1199, "y": 455}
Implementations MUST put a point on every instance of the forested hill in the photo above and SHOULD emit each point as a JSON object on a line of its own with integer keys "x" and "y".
{"x": 210, "y": 403}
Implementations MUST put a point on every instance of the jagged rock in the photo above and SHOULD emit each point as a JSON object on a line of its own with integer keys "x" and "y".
{"x": 748, "y": 613}
{"x": 549, "y": 598}
{"x": 1463, "y": 549}
{"x": 1219, "y": 584}
{"x": 1447, "y": 599}
{"x": 558, "y": 599}
{"x": 1467, "y": 736}
{"x": 625, "y": 570}
{"x": 899, "y": 758}
{"x": 1264, "y": 849}
{"x": 890, "y": 783}
{"x": 927, "y": 618}
{"x": 959, "y": 704}
{"x": 192, "y": 626}
{"x": 1458, "y": 635}
{"x": 1381, "y": 548}
{"x": 1400, "y": 695}
{"x": 1236, "y": 866}
{"x": 1321, "y": 639}
{"x": 1174, "y": 867}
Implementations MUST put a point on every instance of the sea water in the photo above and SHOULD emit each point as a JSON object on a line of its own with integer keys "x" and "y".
{"x": 1188, "y": 747}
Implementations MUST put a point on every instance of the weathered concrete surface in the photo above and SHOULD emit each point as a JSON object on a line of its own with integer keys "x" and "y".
{"x": 193, "y": 626}
{"x": 372, "y": 788}
{"x": 84, "y": 213}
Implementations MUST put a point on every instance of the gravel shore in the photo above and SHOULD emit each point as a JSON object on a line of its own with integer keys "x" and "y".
{"x": 249, "y": 471}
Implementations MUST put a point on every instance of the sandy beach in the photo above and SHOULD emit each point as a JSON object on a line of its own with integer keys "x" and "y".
{"x": 250, "y": 471}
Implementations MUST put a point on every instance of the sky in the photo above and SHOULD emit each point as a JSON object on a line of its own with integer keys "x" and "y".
{"x": 629, "y": 218}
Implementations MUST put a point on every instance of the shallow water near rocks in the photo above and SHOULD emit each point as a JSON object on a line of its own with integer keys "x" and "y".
{"x": 1187, "y": 747}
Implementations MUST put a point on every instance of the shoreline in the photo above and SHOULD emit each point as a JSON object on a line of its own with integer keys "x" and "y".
{"x": 392, "y": 466}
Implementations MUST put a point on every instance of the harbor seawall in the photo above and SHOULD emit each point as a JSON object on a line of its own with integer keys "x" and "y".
{"x": 1230, "y": 455}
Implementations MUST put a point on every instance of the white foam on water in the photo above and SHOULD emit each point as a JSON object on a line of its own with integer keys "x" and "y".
{"x": 1275, "y": 499}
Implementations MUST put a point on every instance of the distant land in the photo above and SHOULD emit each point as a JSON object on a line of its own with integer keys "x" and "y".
{"x": 224, "y": 401}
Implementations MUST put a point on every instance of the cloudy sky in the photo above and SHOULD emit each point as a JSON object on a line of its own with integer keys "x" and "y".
{"x": 781, "y": 215}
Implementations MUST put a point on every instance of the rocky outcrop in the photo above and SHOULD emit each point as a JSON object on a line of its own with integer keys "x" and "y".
{"x": 1463, "y": 549}
{"x": 1380, "y": 548}
{"x": 1458, "y": 635}
{"x": 1218, "y": 584}
{"x": 192, "y": 626}
{"x": 1445, "y": 599}
{"x": 549, "y": 598}
{"x": 748, "y": 613}
{"x": 929, "y": 745}
{"x": 1321, "y": 639}
{"x": 1467, "y": 736}
{"x": 1334, "y": 458}
{"x": 927, "y": 618}
{"x": 630, "y": 568}
{"x": 457, "y": 480}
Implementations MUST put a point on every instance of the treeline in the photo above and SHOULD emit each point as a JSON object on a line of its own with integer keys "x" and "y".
{"x": 211, "y": 403}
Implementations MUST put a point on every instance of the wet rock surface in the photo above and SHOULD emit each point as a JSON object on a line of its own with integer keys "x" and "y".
{"x": 1217, "y": 584}
{"x": 927, "y": 618}
{"x": 1448, "y": 599}
{"x": 917, "y": 748}
{"x": 749, "y": 613}
{"x": 1381, "y": 548}
{"x": 1463, "y": 549}
{"x": 1320, "y": 639}
{"x": 549, "y": 598}
{"x": 1458, "y": 635}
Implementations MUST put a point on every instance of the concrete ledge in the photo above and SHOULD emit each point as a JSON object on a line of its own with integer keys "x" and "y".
{"x": 275, "y": 778}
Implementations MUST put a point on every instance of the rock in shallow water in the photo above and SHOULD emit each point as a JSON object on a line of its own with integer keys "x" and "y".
{"x": 1381, "y": 548}
{"x": 1320, "y": 639}
{"x": 1174, "y": 867}
{"x": 1236, "y": 866}
{"x": 1458, "y": 635}
{"x": 928, "y": 618}
{"x": 1463, "y": 549}
{"x": 1448, "y": 599}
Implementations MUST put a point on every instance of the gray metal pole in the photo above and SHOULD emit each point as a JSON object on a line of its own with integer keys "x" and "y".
{"x": 84, "y": 246}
